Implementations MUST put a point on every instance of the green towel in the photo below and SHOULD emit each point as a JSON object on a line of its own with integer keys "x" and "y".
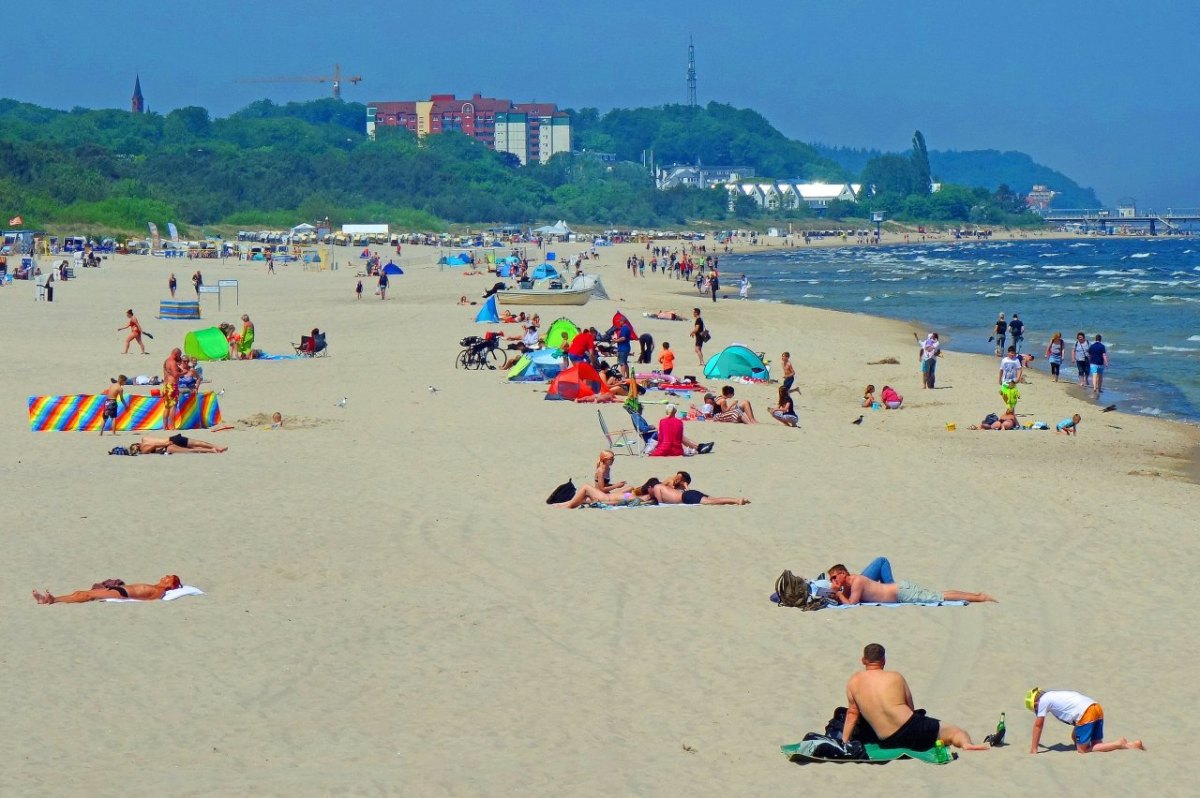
{"x": 877, "y": 754}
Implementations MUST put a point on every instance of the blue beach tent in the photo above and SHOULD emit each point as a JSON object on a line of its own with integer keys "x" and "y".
{"x": 392, "y": 268}
{"x": 736, "y": 360}
{"x": 488, "y": 313}
{"x": 544, "y": 271}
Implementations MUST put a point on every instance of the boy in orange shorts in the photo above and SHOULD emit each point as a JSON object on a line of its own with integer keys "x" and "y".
{"x": 1081, "y": 712}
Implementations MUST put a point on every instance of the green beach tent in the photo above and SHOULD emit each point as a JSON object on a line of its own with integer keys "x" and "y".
{"x": 207, "y": 344}
{"x": 553, "y": 337}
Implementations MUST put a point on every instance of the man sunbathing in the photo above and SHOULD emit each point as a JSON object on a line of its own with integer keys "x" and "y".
{"x": 855, "y": 588}
{"x": 141, "y": 592}
{"x": 176, "y": 444}
{"x": 677, "y": 490}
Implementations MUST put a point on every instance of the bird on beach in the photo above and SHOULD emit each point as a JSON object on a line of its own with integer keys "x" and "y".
{"x": 858, "y": 420}
{"x": 1109, "y": 409}
{"x": 432, "y": 389}
{"x": 341, "y": 403}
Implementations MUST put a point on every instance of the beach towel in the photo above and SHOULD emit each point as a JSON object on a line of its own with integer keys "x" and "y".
{"x": 875, "y": 754}
{"x": 265, "y": 356}
{"x": 899, "y": 604}
{"x": 170, "y": 595}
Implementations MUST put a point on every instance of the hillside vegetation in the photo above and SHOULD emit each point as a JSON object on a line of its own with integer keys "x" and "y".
{"x": 273, "y": 165}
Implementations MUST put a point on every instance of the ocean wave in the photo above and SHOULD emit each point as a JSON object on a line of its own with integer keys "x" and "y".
{"x": 1194, "y": 338}
{"x": 813, "y": 296}
{"x": 1175, "y": 349}
{"x": 1140, "y": 255}
{"x": 1149, "y": 411}
{"x": 867, "y": 298}
{"x": 1124, "y": 352}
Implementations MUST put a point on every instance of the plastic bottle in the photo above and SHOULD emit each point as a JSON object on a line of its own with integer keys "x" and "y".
{"x": 940, "y": 753}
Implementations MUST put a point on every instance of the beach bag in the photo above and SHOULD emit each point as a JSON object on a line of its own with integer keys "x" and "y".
{"x": 119, "y": 450}
{"x": 863, "y": 733}
{"x": 796, "y": 591}
{"x": 705, "y": 336}
{"x": 109, "y": 584}
{"x": 989, "y": 419}
{"x": 821, "y": 746}
{"x": 564, "y": 492}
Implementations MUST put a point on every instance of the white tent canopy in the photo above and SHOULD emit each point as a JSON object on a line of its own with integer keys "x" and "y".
{"x": 303, "y": 227}
{"x": 559, "y": 228}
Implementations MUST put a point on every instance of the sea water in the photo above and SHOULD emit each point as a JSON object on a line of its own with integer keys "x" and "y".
{"x": 1142, "y": 295}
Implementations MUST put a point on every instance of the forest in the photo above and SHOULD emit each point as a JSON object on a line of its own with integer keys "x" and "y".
{"x": 271, "y": 166}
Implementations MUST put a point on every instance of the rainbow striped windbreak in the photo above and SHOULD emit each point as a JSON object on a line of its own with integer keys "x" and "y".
{"x": 84, "y": 413}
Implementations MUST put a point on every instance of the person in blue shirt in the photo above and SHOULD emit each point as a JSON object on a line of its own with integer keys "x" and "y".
{"x": 1097, "y": 363}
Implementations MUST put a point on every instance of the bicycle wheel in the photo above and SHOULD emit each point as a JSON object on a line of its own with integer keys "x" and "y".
{"x": 491, "y": 358}
{"x": 463, "y": 360}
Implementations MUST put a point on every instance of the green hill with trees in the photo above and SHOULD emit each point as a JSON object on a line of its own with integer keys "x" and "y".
{"x": 271, "y": 165}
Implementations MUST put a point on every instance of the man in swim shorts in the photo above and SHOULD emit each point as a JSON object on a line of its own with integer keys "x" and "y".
{"x": 882, "y": 698}
{"x": 142, "y": 592}
{"x": 177, "y": 444}
{"x": 855, "y": 589}
{"x": 114, "y": 397}
{"x": 172, "y": 371}
{"x": 1077, "y": 710}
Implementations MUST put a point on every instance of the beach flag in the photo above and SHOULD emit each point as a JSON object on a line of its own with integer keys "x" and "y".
{"x": 488, "y": 313}
{"x": 16, "y": 220}
{"x": 174, "y": 231}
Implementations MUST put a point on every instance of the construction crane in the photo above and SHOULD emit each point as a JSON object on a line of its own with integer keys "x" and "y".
{"x": 336, "y": 79}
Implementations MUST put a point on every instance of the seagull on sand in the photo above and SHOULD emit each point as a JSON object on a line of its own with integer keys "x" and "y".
{"x": 341, "y": 403}
{"x": 857, "y": 420}
{"x": 432, "y": 389}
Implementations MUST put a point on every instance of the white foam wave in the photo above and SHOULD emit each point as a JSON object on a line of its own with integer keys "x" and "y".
{"x": 867, "y": 298}
{"x": 1194, "y": 338}
{"x": 1149, "y": 411}
{"x": 1175, "y": 349}
{"x": 1140, "y": 255}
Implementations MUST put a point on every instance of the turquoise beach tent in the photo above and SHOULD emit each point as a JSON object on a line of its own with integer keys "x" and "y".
{"x": 736, "y": 360}
{"x": 488, "y": 313}
{"x": 544, "y": 271}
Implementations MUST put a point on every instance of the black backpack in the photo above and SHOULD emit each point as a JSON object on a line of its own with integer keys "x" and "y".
{"x": 564, "y": 492}
{"x": 796, "y": 591}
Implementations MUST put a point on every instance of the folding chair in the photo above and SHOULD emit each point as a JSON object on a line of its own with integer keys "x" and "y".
{"x": 644, "y": 430}
{"x": 621, "y": 439}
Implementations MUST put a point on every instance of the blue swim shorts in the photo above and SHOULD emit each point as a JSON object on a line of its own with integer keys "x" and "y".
{"x": 1096, "y": 368}
{"x": 1089, "y": 733}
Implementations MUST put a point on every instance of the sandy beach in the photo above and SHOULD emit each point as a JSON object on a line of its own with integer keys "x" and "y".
{"x": 392, "y": 609}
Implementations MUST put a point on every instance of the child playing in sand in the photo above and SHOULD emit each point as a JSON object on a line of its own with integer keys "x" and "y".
{"x": 1082, "y": 713}
{"x": 1010, "y": 394}
{"x": 276, "y": 420}
{"x": 666, "y": 358}
{"x": 869, "y": 396}
{"x": 358, "y": 290}
{"x": 1068, "y": 426}
{"x": 891, "y": 399}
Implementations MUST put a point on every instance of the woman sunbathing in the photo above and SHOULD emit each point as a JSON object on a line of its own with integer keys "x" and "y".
{"x": 587, "y": 495}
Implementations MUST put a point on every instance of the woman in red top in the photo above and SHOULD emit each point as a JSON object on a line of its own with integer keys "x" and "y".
{"x": 135, "y": 332}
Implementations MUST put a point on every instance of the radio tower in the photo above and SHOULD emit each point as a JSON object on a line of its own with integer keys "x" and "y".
{"x": 691, "y": 75}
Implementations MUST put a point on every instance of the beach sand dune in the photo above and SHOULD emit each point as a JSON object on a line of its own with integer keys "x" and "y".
{"x": 391, "y": 608}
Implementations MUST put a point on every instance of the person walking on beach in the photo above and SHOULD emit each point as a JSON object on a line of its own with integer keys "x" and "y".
{"x": 999, "y": 335}
{"x": 1054, "y": 354}
{"x": 1016, "y": 332}
{"x": 172, "y": 283}
{"x": 883, "y": 699}
{"x": 1010, "y": 368}
{"x": 359, "y": 288}
{"x": 135, "y": 332}
{"x": 931, "y": 350}
{"x": 114, "y": 397}
{"x": 714, "y": 282}
{"x": 383, "y": 284}
{"x": 270, "y": 263}
{"x": 789, "y": 372}
{"x": 699, "y": 334}
{"x": 1084, "y": 715}
{"x": 1097, "y": 363}
{"x": 1081, "y": 358}
{"x": 197, "y": 281}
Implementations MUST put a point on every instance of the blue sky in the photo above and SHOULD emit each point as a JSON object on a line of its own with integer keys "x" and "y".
{"x": 1101, "y": 90}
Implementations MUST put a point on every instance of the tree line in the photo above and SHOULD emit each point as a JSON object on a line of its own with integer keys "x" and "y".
{"x": 271, "y": 165}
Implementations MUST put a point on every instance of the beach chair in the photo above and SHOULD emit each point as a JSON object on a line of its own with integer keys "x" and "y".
{"x": 312, "y": 346}
{"x": 628, "y": 440}
{"x": 647, "y": 433}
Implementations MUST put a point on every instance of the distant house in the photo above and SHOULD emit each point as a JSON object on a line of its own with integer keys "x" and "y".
{"x": 1040, "y": 197}
{"x": 676, "y": 175}
{"x": 789, "y": 194}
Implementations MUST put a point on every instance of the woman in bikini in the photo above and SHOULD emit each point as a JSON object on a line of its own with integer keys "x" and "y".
{"x": 135, "y": 332}
{"x": 638, "y": 497}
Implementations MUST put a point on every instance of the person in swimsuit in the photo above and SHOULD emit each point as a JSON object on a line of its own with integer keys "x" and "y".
{"x": 855, "y": 588}
{"x": 678, "y": 490}
{"x": 114, "y": 397}
{"x": 588, "y": 495}
{"x": 789, "y": 372}
{"x": 177, "y": 444}
{"x": 135, "y": 332}
{"x": 603, "y": 481}
{"x": 172, "y": 284}
{"x": 172, "y": 371}
{"x": 882, "y": 698}
{"x": 1068, "y": 426}
{"x": 118, "y": 589}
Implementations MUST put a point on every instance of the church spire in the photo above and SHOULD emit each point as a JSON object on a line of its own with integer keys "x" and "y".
{"x": 137, "y": 104}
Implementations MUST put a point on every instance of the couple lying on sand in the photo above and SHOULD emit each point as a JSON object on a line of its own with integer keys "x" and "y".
{"x": 674, "y": 490}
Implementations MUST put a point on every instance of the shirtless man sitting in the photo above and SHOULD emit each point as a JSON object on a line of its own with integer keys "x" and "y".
{"x": 855, "y": 588}
{"x": 177, "y": 444}
{"x": 883, "y": 700}
{"x": 142, "y": 592}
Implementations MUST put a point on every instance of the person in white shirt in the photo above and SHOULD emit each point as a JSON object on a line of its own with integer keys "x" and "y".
{"x": 1010, "y": 367}
{"x": 1077, "y": 710}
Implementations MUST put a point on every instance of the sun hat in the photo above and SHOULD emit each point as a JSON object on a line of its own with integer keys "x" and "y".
{"x": 1031, "y": 699}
